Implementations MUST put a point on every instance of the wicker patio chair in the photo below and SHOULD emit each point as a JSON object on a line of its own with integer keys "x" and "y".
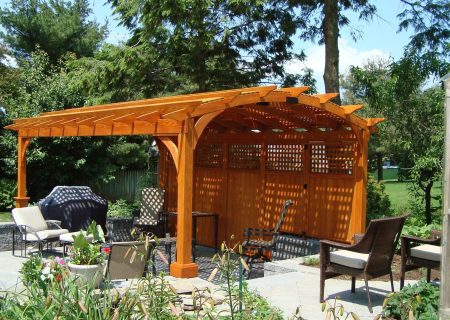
{"x": 34, "y": 229}
{"x": 420, "y": 253}
{"x": 128, "y": 260}
{"x": 256, "y": 248}
{"x": 149, "y": 219}
{"x": 370, "y": 257}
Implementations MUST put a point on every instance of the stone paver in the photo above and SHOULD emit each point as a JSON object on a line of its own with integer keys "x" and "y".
{"x": 300, "y": 288}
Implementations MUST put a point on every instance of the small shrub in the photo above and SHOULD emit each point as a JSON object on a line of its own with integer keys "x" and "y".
{"x": 420, "y": 300}
{"x": 311, "y": 261}
{"x": 378, "y": 203}
{"x": 8, "y": 190}
{"x": 121, "y": 209}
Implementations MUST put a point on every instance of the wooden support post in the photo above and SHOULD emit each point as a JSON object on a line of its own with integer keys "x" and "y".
{"x": 184, "y": 267}
{"x": 22, "y": 199}
{"x": 445, "y": 259}
{"x": 358, "y": 225}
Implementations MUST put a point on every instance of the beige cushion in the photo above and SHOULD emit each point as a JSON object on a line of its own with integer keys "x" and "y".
{"x": 46, "y": 234}
{"x": 427, "y": 252}
{"x": 68, "y": 237}
{"x": 349, "y": 258}
{"x": 31, "y": 217}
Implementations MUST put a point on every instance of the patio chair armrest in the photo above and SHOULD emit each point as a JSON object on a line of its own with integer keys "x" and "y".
{"x": 53, "y": 223}
{"x": 258, "y": 232}
{"x": 24, "y": 229}
{"x": 407, "y": 239}
{"x": 334, "y": 244}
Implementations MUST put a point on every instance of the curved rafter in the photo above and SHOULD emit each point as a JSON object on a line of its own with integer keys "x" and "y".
{"x": 272, "y": 108}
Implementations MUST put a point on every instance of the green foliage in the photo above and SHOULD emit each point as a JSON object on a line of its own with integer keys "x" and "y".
{"x": 311, "y": 261}
{"x": 151, "y": 298}
{"x": 129, "y": 155}
{"x": 121, "y": 209}
{"x": 414, "y": 132}
{"x": 41, "y": 273}
{"x": 335, "y": 310}
{"x": 429, "y": 21}
{"x": 86, "y": 246}
{"x": 214, "y": 44}
{"x": 8, "y": 190}
{"x": 422, "y": 231}
{"x": 230, "y": 267}
{"x": 56, "y": 27}
{"x": 378, "y": 203}
{"x": 420, "y": 300}
{"x": 60, "y": 161}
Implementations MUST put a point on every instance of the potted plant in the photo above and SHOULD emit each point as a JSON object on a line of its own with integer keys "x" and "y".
{"x": 86, "y": 258}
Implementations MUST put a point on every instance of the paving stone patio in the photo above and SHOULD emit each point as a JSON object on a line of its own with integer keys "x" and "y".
{"x": 287, "y": 284}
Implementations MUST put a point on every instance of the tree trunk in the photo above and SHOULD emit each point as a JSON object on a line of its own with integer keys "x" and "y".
{"x": 379, "y": 166}
{"x": 428, "y": 202}
{"x": 331, "y": 35}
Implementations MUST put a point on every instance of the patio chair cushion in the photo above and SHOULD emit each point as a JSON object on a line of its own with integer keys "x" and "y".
{"x": 45, "y": 235}
{"x": 68, "y": 237}
{"x": 427, "y": 252}
{"x": 30, "y": 216}
{"x": 349, "y": 259}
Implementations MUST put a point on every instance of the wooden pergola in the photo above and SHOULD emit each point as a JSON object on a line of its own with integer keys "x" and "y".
{"x": 283, "y": 142}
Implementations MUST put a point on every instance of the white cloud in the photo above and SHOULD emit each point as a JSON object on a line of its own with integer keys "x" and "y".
{"x": 348, "y": 56}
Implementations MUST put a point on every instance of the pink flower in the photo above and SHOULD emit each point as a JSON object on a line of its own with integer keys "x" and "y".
{"x": 59, "y": 260}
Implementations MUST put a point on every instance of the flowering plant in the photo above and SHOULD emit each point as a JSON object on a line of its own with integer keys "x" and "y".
{"x": 43, "y": 272}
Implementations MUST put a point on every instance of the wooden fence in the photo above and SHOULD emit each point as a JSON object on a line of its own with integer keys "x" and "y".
{"x": 127, "y": 184}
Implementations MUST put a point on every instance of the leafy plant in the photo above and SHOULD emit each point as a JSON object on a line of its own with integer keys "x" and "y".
{"x": 419, "y": 301}
{"x": 42, "y": 272}
{"x": 86, "y": 246}
{"x": 8, "y": 190}
{"x": 378, "y": 203}
{"x": 121, "y": 209}
{"x": 336, "y": 310}
{"x": 311, "y": 261}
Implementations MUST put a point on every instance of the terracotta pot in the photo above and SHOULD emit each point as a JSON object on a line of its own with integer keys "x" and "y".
{"x": 87, "y": 274}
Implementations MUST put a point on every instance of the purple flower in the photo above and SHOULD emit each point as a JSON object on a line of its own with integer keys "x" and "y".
{"x": 59, "y": 260}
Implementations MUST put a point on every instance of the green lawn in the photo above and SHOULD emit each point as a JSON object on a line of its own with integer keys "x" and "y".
{"x": 399, "y": 196}
{"x": 5, "y": 217}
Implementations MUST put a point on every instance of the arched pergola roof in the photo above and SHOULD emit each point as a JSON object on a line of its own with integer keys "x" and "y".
{"x": 179, "y": 121}
{"x": 258, "y": 108}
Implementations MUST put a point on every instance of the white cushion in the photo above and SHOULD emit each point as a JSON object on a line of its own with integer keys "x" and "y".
{"x": 427, "y": 252}
{"x": 31, "y": 217}
{"x": 46, "y": 234}
{"x": 68, "y": 237}
{"x": 349, "y": 258}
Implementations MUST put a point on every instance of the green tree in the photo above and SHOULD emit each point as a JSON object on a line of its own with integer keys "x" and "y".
{"x": 51, "y": 161}
{"x": 431, "y": 25}
{"x": 121, "y": 73}
{"x": 413, "y": 134}
{"x": 321, "y": 21}
{"x": 216, "y": 43}
{"x": 55, "y": 26}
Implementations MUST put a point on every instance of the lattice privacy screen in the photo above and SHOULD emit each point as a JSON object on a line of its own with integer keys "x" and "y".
{"x": 285, "y": 157}
{"x": 245, "y": 156}
{"x": 333, "y": 158}
{"x": 209, "y": 156}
